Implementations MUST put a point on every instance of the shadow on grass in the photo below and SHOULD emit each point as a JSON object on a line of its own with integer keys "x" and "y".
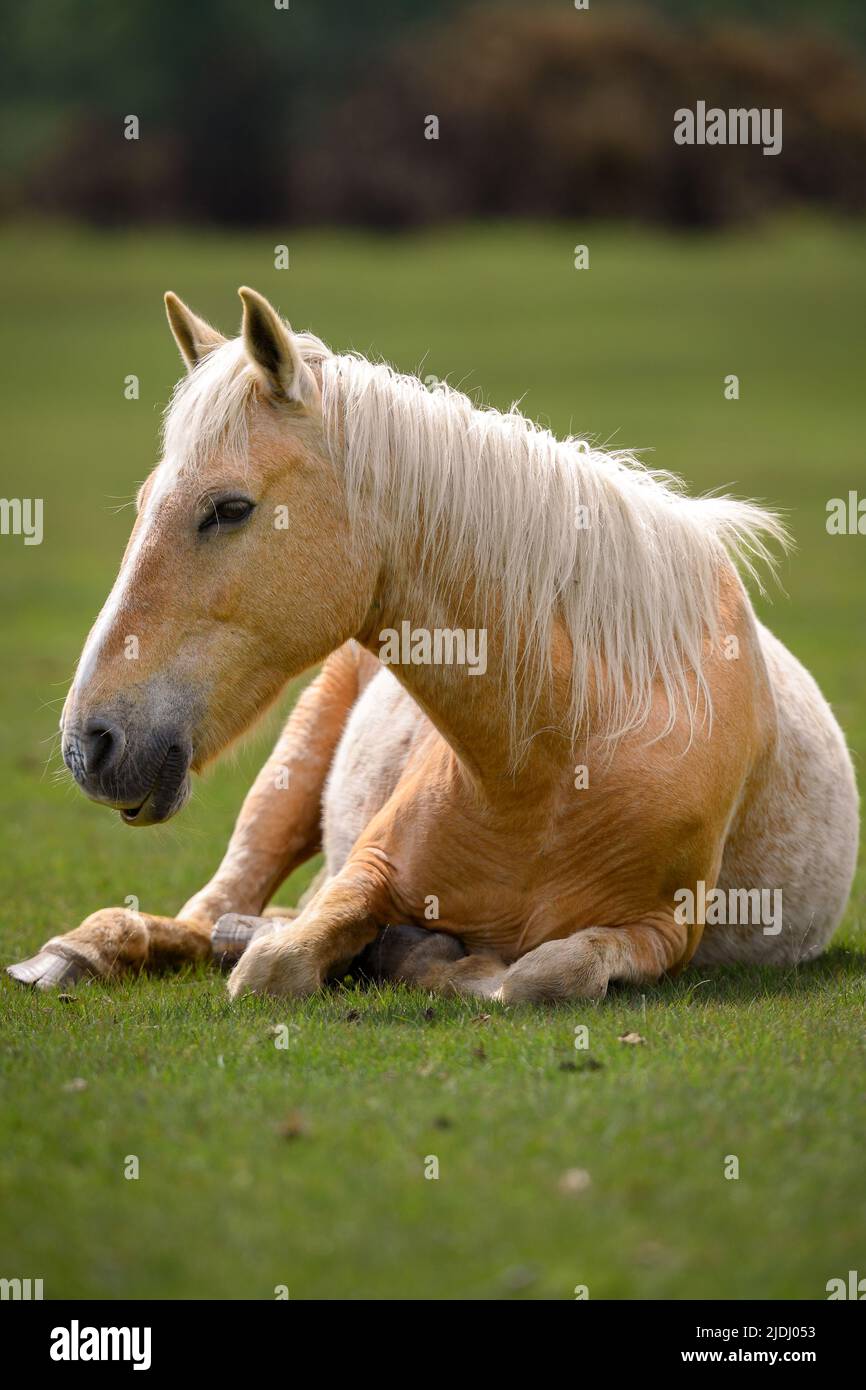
{"x": 741, "y": 984}
{"x": 350, "y": 1000}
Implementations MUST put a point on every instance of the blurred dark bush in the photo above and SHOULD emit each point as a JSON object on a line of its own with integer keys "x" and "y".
{"x": 249, "y": 116}
{"x": 545, "y": 113}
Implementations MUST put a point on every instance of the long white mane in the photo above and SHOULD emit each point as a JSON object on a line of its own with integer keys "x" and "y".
{"x": 547, "y": 529}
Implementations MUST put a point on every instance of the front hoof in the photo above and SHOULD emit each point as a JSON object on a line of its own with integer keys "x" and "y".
{"x": 48, "y": 970}
{"x": 278, "y": 965}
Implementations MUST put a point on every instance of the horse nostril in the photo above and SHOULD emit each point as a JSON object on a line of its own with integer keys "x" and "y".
{"x": 102, "y": 744}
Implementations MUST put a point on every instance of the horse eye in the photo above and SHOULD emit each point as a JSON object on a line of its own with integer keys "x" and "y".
{"x": 227, "y": 512}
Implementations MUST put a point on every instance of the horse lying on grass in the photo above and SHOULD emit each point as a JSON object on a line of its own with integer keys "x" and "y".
{"x": 522, "y": 833}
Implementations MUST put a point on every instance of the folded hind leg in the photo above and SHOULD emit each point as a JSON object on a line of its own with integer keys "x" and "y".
{"x": 431, "y": 960}
{"x": 581, "y": 966}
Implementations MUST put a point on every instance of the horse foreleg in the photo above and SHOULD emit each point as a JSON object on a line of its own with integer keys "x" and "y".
{"x": 280, "y": 823}
{"x": 581, "y": 966}
{"x": 115, "y": 940}
{"x": 431, "y": 960}
{"x": 110, "y": 942}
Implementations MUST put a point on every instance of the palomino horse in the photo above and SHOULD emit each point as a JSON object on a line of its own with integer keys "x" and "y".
{"x": 529, "y": 827}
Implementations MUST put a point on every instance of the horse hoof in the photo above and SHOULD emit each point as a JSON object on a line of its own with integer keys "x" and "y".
{"x": 233, "y": 933}
{"x": 48, "y": 970}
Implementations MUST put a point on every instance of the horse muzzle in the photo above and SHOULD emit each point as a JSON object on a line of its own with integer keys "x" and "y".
{"x": 143, "y": 776}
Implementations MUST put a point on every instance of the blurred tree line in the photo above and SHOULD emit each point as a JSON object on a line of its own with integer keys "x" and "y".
{"x": 251, "y": 113}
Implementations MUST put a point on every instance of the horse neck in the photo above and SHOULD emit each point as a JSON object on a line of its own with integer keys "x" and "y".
{"x": 478, "y": 712}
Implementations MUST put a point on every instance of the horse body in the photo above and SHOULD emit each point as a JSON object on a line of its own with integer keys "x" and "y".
{"x": 791, "y": 827}
{"x": 525, "y": 832}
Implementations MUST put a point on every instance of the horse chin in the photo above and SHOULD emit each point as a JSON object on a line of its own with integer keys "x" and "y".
{"x": 168, "y": 795}
{"x": 154, "y": 810}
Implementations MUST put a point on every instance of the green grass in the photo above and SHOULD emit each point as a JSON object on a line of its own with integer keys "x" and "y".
{"x": 304, "y": 1166}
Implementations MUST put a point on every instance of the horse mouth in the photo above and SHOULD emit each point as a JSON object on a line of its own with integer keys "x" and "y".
{"x": 168, "y": 792}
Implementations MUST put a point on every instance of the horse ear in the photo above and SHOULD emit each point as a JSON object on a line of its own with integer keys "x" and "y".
{"x": 271, "y": 348}
{"x": 194, "y": 337}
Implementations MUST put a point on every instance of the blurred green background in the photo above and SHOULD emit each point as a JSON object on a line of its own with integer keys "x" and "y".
{"x": 305, "y": 1167}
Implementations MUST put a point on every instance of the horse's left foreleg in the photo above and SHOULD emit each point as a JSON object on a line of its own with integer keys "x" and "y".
{"x": 112, "y": 941}
{"x": 431, "y": 960}
{"x": 279, "y": 826}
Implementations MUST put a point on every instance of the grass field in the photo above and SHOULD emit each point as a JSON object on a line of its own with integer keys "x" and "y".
{"x": 304, "y": 1166}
